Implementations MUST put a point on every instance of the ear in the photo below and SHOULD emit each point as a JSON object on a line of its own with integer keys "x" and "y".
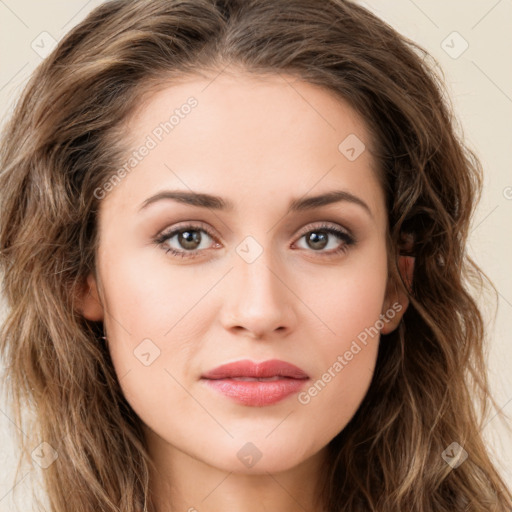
{"x": 396, "y": 300}
{"x": 89, "y": 303}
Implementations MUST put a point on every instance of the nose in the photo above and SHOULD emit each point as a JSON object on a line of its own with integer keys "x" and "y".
{"x": 259, "y": 302}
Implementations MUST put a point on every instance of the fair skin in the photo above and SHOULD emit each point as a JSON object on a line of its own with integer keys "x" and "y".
{"x": 258, "y": 143}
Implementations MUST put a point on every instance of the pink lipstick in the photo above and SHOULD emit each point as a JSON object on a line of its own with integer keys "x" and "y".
{"x": 256, "y": 384}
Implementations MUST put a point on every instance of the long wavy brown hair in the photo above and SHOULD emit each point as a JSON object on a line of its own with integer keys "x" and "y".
{"x": 63, "y": 141}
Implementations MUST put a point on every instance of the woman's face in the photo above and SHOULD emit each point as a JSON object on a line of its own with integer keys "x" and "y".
{"x": 262, "y": 271}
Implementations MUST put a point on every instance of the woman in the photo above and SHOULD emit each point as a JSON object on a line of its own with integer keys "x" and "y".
{"x": 233, "y": 244}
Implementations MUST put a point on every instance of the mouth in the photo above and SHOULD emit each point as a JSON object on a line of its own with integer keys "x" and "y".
{"x": 256, "y": 379}
{"x": 256, "y": 384}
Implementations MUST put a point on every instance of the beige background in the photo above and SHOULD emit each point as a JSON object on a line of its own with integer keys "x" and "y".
{"x": 480, "y": 82}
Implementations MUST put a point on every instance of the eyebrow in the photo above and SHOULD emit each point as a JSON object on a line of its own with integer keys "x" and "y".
{"x": 203, "y": 200}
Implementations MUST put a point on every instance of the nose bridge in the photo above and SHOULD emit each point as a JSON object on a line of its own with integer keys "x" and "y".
{"x": 260, "y": 301}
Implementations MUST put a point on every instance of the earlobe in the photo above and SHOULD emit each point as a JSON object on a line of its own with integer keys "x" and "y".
{"x": 89, "y": 302}
{"x": 397, "y": 299}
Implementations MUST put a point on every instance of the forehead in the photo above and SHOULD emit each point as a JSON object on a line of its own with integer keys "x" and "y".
{"x": 272, "y": 103}
{"x": 249, "y": 136}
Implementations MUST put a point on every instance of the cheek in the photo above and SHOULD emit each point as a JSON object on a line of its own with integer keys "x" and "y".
{"x": 155, "y": 324}
{"x": 346, "y": 356}
{"x": 337, "y": 390}
{"x": 146, "y": 300}
{"x": 350, "y": 299}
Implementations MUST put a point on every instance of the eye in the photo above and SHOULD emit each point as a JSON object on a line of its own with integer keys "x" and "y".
{"x": 188, "y": 241}
{"x": 320, "y": 237}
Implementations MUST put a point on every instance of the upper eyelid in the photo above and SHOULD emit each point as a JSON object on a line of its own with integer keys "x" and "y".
{"x": 195, "y": 225}
{"x": 327, "y": 224}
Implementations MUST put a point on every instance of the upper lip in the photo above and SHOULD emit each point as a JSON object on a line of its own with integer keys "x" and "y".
{"x": 247, "y": 368}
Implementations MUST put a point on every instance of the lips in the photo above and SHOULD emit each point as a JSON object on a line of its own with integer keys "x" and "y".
{"x": 263, "y": 370}
{"x": 256, "y": 384}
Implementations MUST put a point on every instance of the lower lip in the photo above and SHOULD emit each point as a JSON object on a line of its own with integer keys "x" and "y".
{"x": 256, "y": 393}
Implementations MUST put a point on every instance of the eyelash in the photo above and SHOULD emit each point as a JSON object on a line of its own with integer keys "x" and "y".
{"x": 162, "y": 238}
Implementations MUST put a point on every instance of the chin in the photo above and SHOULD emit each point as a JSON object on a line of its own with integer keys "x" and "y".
{"x": 260, "y": 455}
